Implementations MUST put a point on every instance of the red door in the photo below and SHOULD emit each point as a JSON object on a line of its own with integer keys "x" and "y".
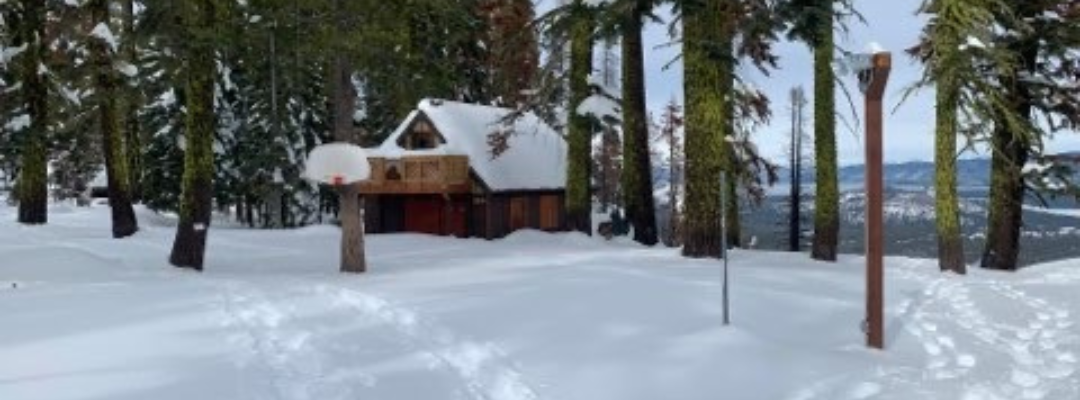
{"x": 423, "y": 215}
{"x": 458, "y": 215}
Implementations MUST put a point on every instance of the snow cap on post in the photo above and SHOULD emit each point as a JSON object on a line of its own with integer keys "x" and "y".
{"x": 337, "y": 164}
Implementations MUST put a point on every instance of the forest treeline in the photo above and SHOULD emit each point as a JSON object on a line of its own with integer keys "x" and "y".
{"x": 203, "y": 105}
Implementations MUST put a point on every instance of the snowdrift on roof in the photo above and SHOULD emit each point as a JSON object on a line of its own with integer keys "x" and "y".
{"x": 534, "y": 160}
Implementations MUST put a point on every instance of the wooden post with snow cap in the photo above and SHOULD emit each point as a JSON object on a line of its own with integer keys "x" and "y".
{"x": 873, "y": 78}
{"x": 344, "y": 166}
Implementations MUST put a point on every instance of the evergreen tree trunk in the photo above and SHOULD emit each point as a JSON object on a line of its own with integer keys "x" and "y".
{"x": 950, "y": 243}
{"x": 189, "y": 248}
{"x": 1006, "y": 215}
{"x": 1005, "y": 218}
{"x": 344, "y": 97}
{"x": 708, "y": 61}
{"x": 351, "y": 212}
{"x": 579, "y": 135}
{"x": 124, "y": 223}
{"x": 827, "y": 197}
{"x": 637, "y": 168}
{"x": 33, "y": 189}
{"x": 131, "y": 103}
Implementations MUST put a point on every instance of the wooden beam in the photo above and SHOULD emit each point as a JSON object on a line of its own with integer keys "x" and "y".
{"x": 875, "y": 243}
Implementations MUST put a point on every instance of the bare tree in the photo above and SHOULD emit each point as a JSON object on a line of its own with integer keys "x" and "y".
{"x": 798, "y": 134}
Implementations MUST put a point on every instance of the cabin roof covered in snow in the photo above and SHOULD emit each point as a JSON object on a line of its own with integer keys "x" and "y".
{"x": 535, "y": 159}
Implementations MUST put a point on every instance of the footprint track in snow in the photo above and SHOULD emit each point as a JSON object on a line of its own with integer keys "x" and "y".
{"x": 1042, "y": 368}
{"x": 294, "y": 361}
{"x": 483, "y": 367}
{"x": 1035, "y": 346}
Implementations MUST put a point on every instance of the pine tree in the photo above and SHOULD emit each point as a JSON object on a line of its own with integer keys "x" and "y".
{"x": 579, "y": 134}
{"x": 1007, "y": 76}
{"x": 717, "y": 35}
{"x": 671, "y": 126}
{"x": 32, "y": 190}
{"x": 160, "y": 38}
{"x": 950, "y": 63}
{"x": 200, "y": 20}
{"x": 107, "y": 91}
{"x": 708, "y": 55}
{"x": 1038, "y": 97}
{"x": 608, "y": 160}
{"x": 351, "y": 215}
{"x": 130, "y": 101}
{"x": 629, "y": 19}
{"x": 827, "y": 196}
{"x": 512, "y": 56}
{"x": 813, "y": 22}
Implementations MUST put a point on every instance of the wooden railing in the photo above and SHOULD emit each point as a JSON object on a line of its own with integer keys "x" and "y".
{"x": 418, "y": 175}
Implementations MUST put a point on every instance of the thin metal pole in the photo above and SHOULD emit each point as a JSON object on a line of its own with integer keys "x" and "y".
{"x": 723, "y": 241}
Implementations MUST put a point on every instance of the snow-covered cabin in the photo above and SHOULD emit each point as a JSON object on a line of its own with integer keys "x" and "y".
{"x": 439, "y": 173}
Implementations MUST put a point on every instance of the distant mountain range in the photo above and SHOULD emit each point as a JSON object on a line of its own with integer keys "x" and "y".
{"x": 970, "y": 173}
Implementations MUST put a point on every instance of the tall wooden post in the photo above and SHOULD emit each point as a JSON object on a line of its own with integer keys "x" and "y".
{"x": 875, "y": 81}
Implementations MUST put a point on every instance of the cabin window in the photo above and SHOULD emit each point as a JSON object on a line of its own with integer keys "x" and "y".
{"x": 393, "y": 170}
{"x": 422, "y": 137}
{"x": 422, "y": 143}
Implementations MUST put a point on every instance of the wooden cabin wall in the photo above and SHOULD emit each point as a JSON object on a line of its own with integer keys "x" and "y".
{"x": 485, "y": 216}
{"x": 384, "y": 213}
{"x": 372, "y": 214}
{"x": 456, "y": 222}
{"x": 498, "y": 214}
{"x": 529, "y": 210}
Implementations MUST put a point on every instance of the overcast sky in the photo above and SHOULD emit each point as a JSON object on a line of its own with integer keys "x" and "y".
{"x": 893, "y": 24}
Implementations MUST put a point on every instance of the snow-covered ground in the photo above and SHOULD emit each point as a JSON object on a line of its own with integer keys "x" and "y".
{"x": 532, "y": 317}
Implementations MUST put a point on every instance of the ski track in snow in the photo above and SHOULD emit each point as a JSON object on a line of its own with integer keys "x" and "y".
{"x": 287, "y": 352}
{"x": 481, "y": 366}
{"x": 1039, "y": 367}
{"x": 292, "y": 356}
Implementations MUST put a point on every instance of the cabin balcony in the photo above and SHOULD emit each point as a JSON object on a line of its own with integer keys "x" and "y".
{"x": 418, "y": 174}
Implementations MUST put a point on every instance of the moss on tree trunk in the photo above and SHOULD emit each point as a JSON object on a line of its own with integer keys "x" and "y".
{"x": 637, "y": 168}
{"x": 579, "y": 135}
{"x": 124, "y": 223}
{"x": 33, "y": 189}
{"x": 827, "y": 196}
{"x": 196, "y": 199}
{"x": 947, "y": 207}
{"x": 709, "y": 68}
